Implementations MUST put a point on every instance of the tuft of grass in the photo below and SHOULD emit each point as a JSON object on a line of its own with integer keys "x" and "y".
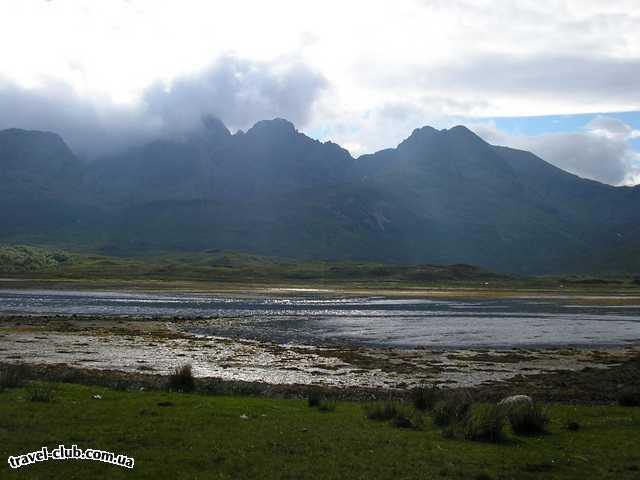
{"x": 181, "y": 380}
{"x": 572, "y": 426}
{"x": 406, "y": 419}
{"x": 327, "y": 406}
{"x": 452, "y": 409}
{"x": 399, "y": 415}
{"x": 425, "y": 397}
{"x": 382, "y": 411}
{"x": 483, "y": 476}
{"x": 38, "y": 392}
{"x": 314, "y": 400}
{"x": 484, "y": 423}
{"x": 629, "y": 397}
{"x": 528, "y": 419}
{"x": 13, "y": 375}
{"x": 120, "y": 385}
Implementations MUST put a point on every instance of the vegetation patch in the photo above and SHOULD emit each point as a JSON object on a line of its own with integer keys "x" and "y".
{"x": 191, "y": 435}
{"x": 13, "y": 375}
{"x": 40, "y": 392}
{"x": 528, "y": 419}
{"x": 181, "y": 380}
{"x": 484, "y": 422}
{"x": 425, "y": 397}
{"x": 629, "y": 397}
{"x": 453, "y": 409}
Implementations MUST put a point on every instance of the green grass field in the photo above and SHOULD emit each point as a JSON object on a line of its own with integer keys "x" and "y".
{"x": 172, "y": 435}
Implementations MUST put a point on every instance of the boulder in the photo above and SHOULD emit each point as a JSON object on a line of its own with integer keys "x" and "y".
{"x": 515, "y": 401}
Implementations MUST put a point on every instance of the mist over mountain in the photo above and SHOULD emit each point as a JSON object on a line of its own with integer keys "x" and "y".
{"x": 440, "y": 196}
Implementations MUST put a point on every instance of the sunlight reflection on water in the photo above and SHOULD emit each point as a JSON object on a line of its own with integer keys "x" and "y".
{"x": 366, "y": 320}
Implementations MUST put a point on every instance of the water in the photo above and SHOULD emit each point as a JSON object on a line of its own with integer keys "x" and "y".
{"x": 375, "y": 321}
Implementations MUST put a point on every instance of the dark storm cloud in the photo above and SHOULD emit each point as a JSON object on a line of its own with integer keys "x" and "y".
{"x": 237, "y": 91}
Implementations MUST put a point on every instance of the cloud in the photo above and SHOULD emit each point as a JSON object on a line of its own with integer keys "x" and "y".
{"x": 513, "y": 84}
{"x": 602, "y": 151}
{"x": 238, "y": 91}
{"x": 385, "y": 124}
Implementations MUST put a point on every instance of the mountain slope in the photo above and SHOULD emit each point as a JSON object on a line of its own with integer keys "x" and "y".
{"x": 39, "y": 183}
{"x": 441, "y": 196}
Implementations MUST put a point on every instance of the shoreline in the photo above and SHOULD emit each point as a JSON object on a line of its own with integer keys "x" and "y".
{"x": 154, "y": 347}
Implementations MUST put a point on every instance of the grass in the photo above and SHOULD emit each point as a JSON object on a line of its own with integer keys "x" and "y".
{"x": 453, "y": 409}
{"x": 630, "y": 398}
{"x": 40, "y": 392}
{"x": 528, "y": 419}
{"x": 382, "y": 410}
{"x": 181, "y": 380}
{"x": 223, "y": 265}
{"x": 179, "y": 435}
{"x": 425, "y": 397}
{"x": 315, "y": 400}
{"x": 397, "y": 414}
{"x": 159, "y": 268}
{"x": 13, "y": 375}
{"x": 484, "y": 423}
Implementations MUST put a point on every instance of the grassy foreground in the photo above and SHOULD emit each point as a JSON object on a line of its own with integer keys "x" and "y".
{"x": 174, "y": 435}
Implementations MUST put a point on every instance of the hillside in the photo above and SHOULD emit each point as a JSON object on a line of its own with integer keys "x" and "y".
{"x": 217, "y": 265}
{"x": 440, "y": 197}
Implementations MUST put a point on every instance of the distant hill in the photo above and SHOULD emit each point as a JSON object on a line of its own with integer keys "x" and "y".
{"x": 440, "y": 197}
{"x": 220, "y": 265}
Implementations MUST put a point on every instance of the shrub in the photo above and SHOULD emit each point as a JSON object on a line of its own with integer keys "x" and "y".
{"x": 629, "y": 398}
{"x": 181, "y": 380}
{"x": 483, "y": 476}
{"x": 382, "y": 411}
{"x": 120, "y": 385}
{"x": 528, "y": 419}
{"x": 425, "y": 397}
{"x": 326, "y": 406}
{"x": 314, "y": 399}
{"x": 13, "y": 375}
{"x": 572, "y": 425}
{"x": 407, "y": 419}
{"x": 484, "y": 423}
{"x": 452, "y": 409}
{"x": 40, "y": 393}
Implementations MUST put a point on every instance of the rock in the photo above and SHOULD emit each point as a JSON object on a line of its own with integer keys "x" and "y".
{"x": 516, "y": 401}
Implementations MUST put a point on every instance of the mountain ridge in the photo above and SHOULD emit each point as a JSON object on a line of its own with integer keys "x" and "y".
{"x": 440, "y": 196}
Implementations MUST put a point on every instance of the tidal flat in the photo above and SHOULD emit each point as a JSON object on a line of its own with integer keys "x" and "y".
{"x": 311, "y": 338}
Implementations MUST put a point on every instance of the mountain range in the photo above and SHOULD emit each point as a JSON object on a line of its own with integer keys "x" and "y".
{"x": 440, "y": 196}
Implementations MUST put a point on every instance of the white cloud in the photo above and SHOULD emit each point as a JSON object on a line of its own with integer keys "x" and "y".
{"x": 602, "y": 151}
{"x": 387, "y": 67}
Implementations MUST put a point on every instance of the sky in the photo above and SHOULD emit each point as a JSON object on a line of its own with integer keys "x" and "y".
{"x": 558, "y": 77}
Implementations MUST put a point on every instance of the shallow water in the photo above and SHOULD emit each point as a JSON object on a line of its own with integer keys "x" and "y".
{"x": 368, "y": 320}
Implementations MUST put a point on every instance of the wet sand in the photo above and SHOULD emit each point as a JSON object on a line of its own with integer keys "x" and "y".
{"x": 157, "y": 346}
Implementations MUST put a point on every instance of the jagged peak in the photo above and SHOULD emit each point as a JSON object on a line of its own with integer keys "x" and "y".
{"x": 460, "y": 131}
{"x": 419, "y": 135}
{"x": 215, "y": 126}
{"x": 273, "y": 125}
{"x": 20, "y": 132}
